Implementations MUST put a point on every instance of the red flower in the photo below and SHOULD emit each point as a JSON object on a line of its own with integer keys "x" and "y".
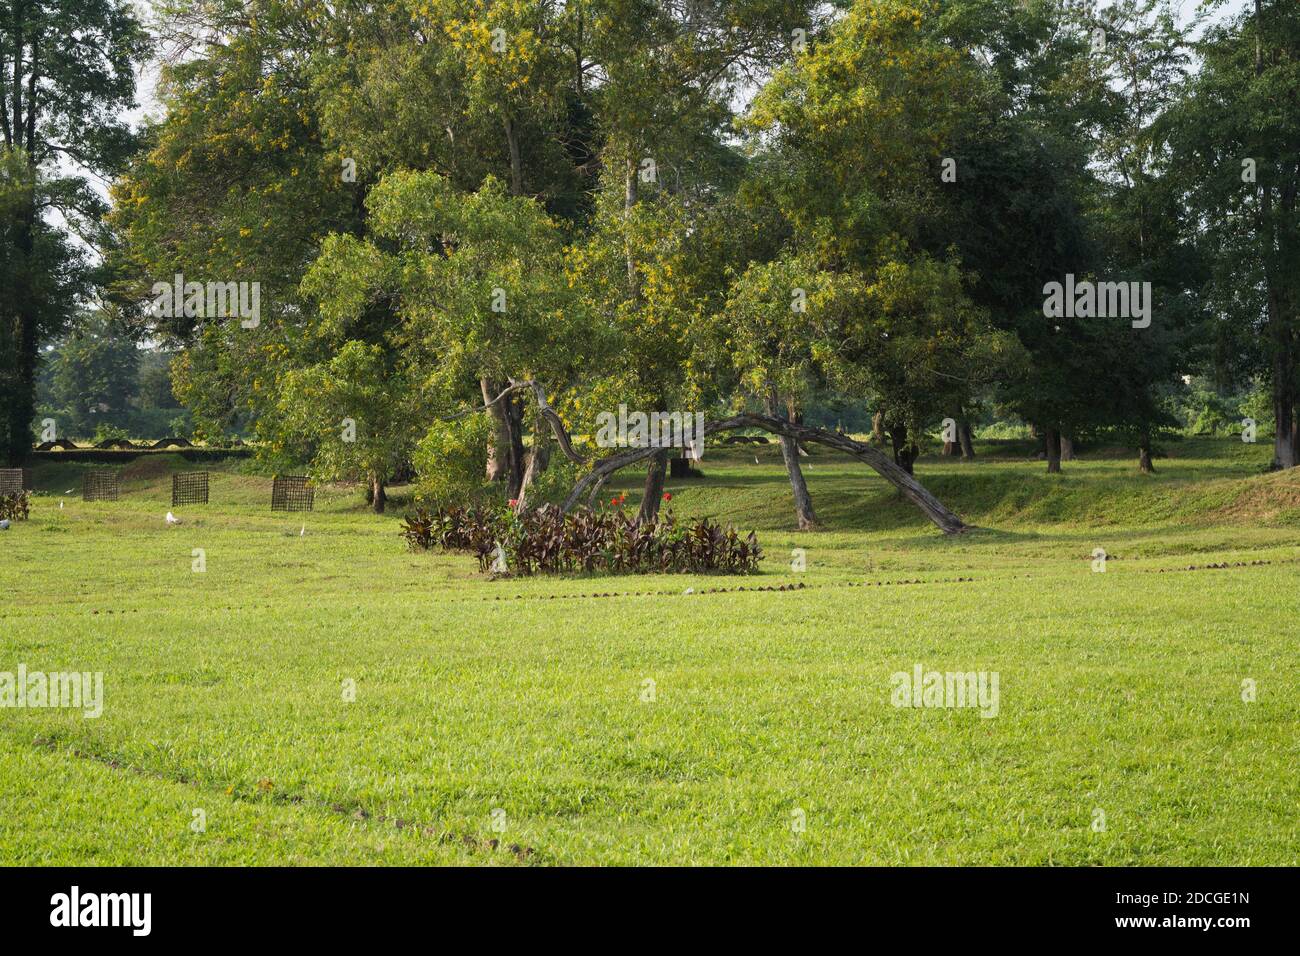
{"x": 668, "y": 496}
{"x": 513, "y": 502}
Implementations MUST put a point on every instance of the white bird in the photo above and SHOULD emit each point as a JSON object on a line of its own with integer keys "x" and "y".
{"x": 756, "y": 459}
{"x": 68, "y": 492}
{"x": 303, "y": 531}
{"x": 4, "y": 524}
{"x": 60, "y": 504}
{"x": 689, "y": 591}
{"x": 172, "y": 519}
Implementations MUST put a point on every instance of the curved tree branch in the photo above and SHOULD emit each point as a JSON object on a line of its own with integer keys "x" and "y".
{"x": 591, "y": 483}
{"x": 911, "y": 489}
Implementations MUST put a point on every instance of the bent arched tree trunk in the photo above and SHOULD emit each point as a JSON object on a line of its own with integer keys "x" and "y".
{"x": 879, "y": 462}
{"x": 910, "y": 488}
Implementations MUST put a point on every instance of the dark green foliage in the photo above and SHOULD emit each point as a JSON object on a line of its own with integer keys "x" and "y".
{"x": 551, "y": 542}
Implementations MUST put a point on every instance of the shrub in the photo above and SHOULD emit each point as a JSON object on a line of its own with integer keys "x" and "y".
{"x": 106, "y": 431}
{"x": 15, "y": 506}
{"x": 181, "y": 426}
{"x": 549, "y": 541}
{"x": 451, "y": 459}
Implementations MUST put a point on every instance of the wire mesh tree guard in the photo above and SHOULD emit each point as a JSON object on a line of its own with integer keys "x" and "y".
{"x": 100, "y": 485}
{"x": 14, "y": 480}
{"x": 190, "y": 488}
{"x": 292, "y": 493}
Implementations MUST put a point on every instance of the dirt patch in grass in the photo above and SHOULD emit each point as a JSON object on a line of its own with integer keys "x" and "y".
{"x": 147, "y": 469}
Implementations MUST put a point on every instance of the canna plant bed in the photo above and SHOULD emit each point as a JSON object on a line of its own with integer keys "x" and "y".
{"x": 15, "y": 506}
{"x": 548, "y": 541}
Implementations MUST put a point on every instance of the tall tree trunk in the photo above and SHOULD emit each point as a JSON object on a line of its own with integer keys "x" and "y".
{"x": 19, "y": 373}
{"x": 20, "y": 402}
{"x": 878, "y": 428}
{"x": 629, "y": 200}
{"x": 377, "y": 497}
{"x": 505, "y": 458}
{"x": 498, "y": 451}
{"x": 967, "y": 446}
{"x": 1144, "y": 453}
{"x": 803, "y": 506}
{"x": 1283, "y": 342}
{"x": 1284, "y": 401}
{"x": 515, "y": 426}
{"x": 1053, "y": 438}
{"x": 512, "y": 410}
{"x": 653, "y": 492}
{"x": 516, "y": 164}
{"x": 905, "y": 452}
{"x": 538, "y": 461}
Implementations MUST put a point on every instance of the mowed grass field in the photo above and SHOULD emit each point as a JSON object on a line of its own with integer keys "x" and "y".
{"x": 1120, "y": 692}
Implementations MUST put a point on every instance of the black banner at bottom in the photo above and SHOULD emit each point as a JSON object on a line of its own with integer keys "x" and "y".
{"x": 333, "y": 906}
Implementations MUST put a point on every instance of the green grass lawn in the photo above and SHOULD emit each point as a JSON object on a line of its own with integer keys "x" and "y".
{"x": 223, "y": 690}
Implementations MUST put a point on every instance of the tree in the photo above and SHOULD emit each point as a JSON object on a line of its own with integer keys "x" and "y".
{"x": 1235, "y": 135}
{"x": 493, "y": 81}
{"x": 1139, "y": 216}
{"x": 1013, "y": 207}
{"x": 771, "y": 317}
{"x": 353, "y": 414}
{"x": 907, "y": 486}
{"x": 651, "y": 313}
{"x": 859, "y": 125}
{"x": 475, "y": 282}
{"x": 59, "y": 118}
{"x": 670, "y": 78}
{"x": 236, "y": 85}
{"x": 917, "y": 344}
{"x": 95, "y": 375}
